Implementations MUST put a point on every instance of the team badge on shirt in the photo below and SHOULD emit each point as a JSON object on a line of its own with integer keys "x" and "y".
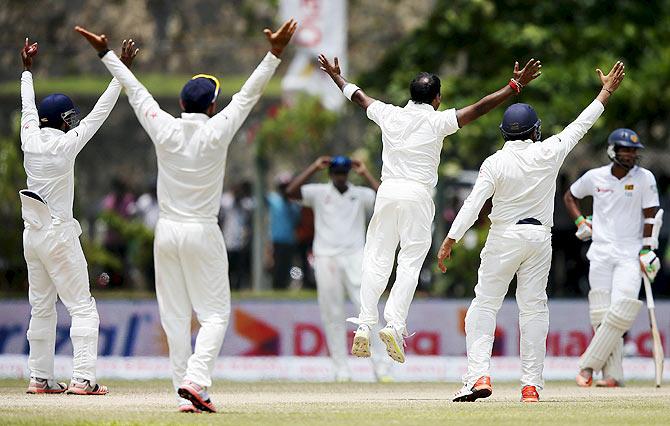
{"x": 629, "y": 190}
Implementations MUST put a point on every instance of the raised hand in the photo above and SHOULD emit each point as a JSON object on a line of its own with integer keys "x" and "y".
{"x": 322, "y": 162}
{"x": 359, "y": 167}
{"x": 331, "y": 70}
{"x": 99, "y": 42}
{"x": 27, "y": 53}
{"x": 279, "y": 39}
{"x": 528, "y": 73}
{"x": 128, "y": 52}
{"x": 612, "y": 80}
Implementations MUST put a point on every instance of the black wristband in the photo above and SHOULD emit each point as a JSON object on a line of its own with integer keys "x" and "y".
{"x": 102, "y": 53}
{"x": 608, "y": 91}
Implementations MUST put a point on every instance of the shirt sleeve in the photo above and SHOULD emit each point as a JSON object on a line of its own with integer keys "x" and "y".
{"x": 583, "y": 187}
{"x": 78, "y": 137}
{"x": 376, "y": 111}
{"x": 650, "y": 192}
{"x": 148, "y": 112}
{"x": 562, "y": 143}
{"x": 30, "y": 121}
{"x": 482, "y": 191}
{"x": 448, "y": 122}
{"x": 309, "y": 193}
{"x": 228, "y": 121}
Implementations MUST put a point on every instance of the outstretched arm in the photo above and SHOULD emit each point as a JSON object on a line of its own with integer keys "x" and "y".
{"x": 351, "y": 91}
{"x": 293, "y": 188}
{"x": 572, "y": 205}
{"x": 360, "y": 168}
{"x": 30, "y": 121}
{"x": 147, "y": 110}
{"x": 233, "y": 115}
{"x": 521, "y": 78}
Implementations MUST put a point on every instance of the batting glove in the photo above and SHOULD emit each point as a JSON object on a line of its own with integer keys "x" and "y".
{"x": 650, "y": 263}
{"x": 584, "y": 230}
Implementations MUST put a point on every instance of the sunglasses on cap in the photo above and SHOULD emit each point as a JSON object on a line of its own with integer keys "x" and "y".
{"x": 213, "y": 79}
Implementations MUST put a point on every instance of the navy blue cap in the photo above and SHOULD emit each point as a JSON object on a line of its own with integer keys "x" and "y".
{"x": 198, "y": 94}
{"x": 340, "y": 163}
{"x": 52, "y": 108}
{"x": 625, "y": 137}
{"x": 518, "y": 119}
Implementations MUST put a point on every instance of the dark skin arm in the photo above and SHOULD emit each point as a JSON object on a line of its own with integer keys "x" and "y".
{"x": 360, "y": 168}
{"x": 99, "y": 43}
{"x": 333, "y": 70}
{"x": 524, "y": 76}
{"x": 572, "y": 205}
{"x": 293, "y": 188}
{"x": 27, "y": 53}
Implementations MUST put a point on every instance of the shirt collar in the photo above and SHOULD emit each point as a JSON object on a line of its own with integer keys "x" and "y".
{"x": 632, "y": 172}
{"x": 413, "y": 105}
{"x": 194, "y": 116}
{"x": 517, "y": 145}
{"x": 337, "y": 191}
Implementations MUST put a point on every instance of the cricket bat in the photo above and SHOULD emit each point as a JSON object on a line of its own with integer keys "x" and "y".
{"x": 657, "y": 349}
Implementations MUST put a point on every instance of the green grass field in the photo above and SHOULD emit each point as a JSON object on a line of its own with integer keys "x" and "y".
{"x": 295, "y": 404}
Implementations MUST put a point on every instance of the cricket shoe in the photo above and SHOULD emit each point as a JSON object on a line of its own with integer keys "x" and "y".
{"x": 186, "y": 406}
{"x": 38, "y": 385}
{"x": 481, "y": 389}
{"x": 394, "y": 341}
{"x": 84, "y": 387}
{"x": 582, "y": 381}
{"x": 608, "y": 382}
{"x": 529, "y": 394}
{"x": 197, "y": 395}
{"x": 361, "y": 345}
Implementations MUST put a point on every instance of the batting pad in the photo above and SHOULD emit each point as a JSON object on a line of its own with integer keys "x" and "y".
{"x": 599, "y": 304}
{"x": 616, "y": 322}
{"x": 614, "y": 366}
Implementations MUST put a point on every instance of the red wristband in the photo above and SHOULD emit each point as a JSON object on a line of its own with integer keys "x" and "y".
{"x": 515, "y": 85}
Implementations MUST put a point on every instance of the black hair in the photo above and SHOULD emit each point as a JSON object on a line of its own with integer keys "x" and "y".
{"x": 424, "y": 88}
{"x": 528, "y": 134}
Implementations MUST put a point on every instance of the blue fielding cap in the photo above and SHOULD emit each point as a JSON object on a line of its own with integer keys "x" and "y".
{"x": 625, "y": 137}
{"x": 519, "y": 119}
{"x": 198, "y": 94}
{"x": 340, "y": 163}
{"x": 52, "y": 107}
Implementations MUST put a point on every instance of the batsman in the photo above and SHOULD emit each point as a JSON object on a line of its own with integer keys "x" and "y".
{"x": 624, "y": 229}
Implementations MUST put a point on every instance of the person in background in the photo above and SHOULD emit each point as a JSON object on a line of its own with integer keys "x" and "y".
{"x": 284, "y": 217}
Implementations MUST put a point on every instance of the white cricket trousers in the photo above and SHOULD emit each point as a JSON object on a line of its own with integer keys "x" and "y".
{"x": 192, "y": 275}
{"x": 524, "y": 250}
{"x": 403, "y": 215}
{"x": 336, "y": 275}
{"x": 57, "y": 268}
{"x": 618, "y": 274}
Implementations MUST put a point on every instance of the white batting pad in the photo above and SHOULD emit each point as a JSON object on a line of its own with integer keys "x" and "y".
{"x": 617, "y": 321}
{"x": 599, "y": 303}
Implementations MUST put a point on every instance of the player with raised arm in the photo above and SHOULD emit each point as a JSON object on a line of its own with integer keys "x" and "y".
{"x": 189, "y": 251}
{"x": 521, "y": 178}
{"x": 412, "y": 138}
{"x": 341, "y": 210}
{"x": 51, "y": 138}
{"x": 625, "y": 204}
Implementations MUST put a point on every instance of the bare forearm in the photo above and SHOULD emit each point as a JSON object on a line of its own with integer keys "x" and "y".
{"x": 571, "y": 205}
{"x": 374, "y": 183}
{"x": 484, "y": 105}
{"x": 293, "y": 189}
{"x": 603, "y": 96}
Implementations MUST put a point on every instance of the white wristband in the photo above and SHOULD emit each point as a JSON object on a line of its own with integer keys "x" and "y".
{"x": 349, "y": 89}
{"x": 651, "y": 242}
{"x": 649, "y": 220}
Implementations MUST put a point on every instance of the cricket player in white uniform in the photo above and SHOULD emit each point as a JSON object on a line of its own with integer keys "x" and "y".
{"x": 341, "y": 211}
{"x": 521, "y": 178}
{"x": 412, "y": 138}
{"x": 189, "y": 251}
{"x": 625, "y": 203}
{"x": 51, "y": 138}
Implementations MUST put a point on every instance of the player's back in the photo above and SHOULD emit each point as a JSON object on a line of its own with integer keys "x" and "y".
{"x": 525, "y": 182}
{"x": 191, "y": 166}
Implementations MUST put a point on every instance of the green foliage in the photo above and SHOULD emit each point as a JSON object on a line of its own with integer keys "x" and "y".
{"x": 472, "y": 45}
{"x": 296, "y": 131}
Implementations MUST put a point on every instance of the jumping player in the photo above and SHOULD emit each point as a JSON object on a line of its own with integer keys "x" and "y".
{"x": 51, "y": 138}
{"x": 341, "y": 211}
{"x": 189, "y": 251}
{"x": 625, "y": 203}
{"x": 521, "y": 177}
{"x": 412, "y": 138}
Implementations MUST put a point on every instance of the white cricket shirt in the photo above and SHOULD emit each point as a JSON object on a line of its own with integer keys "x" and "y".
{"x": 339, "y": 219}
{"x": 191, "y": 150}
{"x": 49, "y": 154}
{"x": 521, "y": 177}
{"x": 412, "y": 139}
{"x": 618, "y": 204}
